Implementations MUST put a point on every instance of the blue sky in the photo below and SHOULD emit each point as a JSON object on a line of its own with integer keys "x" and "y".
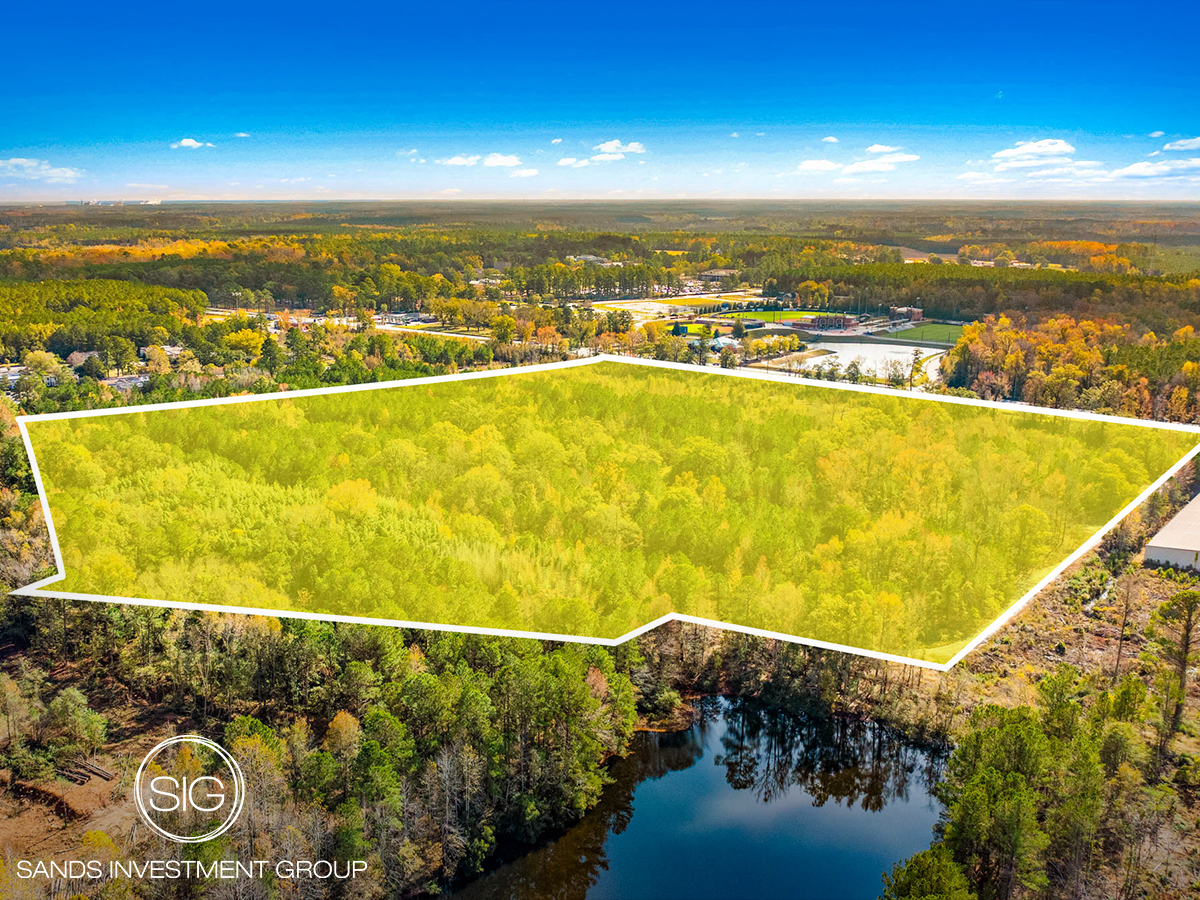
{"x": 540, "y": 101}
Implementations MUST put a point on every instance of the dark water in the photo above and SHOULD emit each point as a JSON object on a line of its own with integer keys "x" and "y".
{"x": 747, "y": 803}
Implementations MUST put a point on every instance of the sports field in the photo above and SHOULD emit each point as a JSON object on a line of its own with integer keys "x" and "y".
{"x": 932, "y": 331}
{"x": 776, "y": 315}
{"x": 589, "y": 499}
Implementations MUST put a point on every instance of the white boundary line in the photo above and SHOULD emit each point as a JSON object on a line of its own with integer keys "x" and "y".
{"x": 37, "y": 588}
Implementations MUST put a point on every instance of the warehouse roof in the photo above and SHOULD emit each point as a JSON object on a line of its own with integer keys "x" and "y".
{"x": 1182, "y": 532}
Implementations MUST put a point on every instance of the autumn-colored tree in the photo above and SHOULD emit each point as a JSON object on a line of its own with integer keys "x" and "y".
{"x": 341, "y": 740}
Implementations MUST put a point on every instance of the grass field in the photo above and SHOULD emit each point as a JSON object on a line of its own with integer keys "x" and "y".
{"x": 589, "y": 500}
{"x": 933, "y": 331}
{"x": 776, "y": 315}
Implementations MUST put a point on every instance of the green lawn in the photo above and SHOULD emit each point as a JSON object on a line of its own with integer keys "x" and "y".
{"x": 776, "y": 315}
{"x": 933, "y": 331}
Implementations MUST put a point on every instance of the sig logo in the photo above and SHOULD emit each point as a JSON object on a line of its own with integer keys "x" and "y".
{"x": 187, "y": 794}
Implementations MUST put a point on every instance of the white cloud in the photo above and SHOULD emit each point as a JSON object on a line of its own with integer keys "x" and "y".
{"x": 500, "y": 159}
{"x": 1185, "y": 144}
{"x": 1167, "y": 167}
{"x": 1044, "y": 147}
{"x": 242, "y": 134}
{"x": 608, "y": 157}
{"x": 556, "y": 141}
{"x": 38, "y": 170}
{"x": 189, "y": 144}
{"x": 522, "y": 173}
{"x": 1047, "y": 161}
{"x": 412, "y": 152}
{"x": 818, "y": 165}
{"x": 870, "y": 165}
{"x": 1084, "y": 168}
{"x": 459, "y": 160}
{"x": 885, "y": 163}
{"x": 829, "y": 140}
{"x": 616, "y": 146}
{"x": 1026, "y": 154}
{"x": 147, "y": 187}
{"x": 573, "y": 162}
{"x": 1031, "y": 162}
{"x": 981, "y": 178}
{"x": 881, "y": 148}
{"x": 450, "y": 191}
{"x": 1157, "y": 133}
{"x": 1154, "y": 153}
{"x": 734, "y": 134}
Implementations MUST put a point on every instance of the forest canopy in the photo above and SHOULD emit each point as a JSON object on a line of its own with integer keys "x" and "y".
{"x": 593, "y": 499}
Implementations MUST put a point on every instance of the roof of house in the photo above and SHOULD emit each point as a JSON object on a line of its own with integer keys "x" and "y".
{"x": 1182, "y": 532}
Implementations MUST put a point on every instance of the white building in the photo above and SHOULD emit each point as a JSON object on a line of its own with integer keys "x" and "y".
{"x": 1178, "y": 544}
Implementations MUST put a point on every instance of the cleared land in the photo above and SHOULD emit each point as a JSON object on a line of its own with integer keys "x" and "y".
{"x": 592, "y": 499}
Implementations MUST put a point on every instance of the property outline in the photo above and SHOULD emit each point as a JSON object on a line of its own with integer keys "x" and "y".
{"x": 37, "y": 588}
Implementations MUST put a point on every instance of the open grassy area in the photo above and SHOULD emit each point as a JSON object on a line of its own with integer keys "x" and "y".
{"x": 933, "y": 331}
{"x": 777, "y": 315}
{"x": 592, "y": 499}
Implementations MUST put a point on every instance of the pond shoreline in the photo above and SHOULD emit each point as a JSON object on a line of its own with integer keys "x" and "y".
{"x": 686, "y": 714}
{"x": 827, "y": 788}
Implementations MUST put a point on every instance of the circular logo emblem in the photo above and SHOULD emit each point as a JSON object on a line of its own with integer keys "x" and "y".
{"x": 174, "y": 799}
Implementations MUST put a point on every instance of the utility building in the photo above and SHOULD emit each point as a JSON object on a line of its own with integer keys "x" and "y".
{"x": 1178, "y": 544}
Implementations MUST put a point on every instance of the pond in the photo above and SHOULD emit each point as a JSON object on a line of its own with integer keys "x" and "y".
{"x": 749, "y": 802}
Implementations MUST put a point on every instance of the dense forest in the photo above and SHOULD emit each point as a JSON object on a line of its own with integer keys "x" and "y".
{"x": 593, "y": 500}
{"x": 1080, "y": 365}
{"x": 1072, "y": 768}
{"x": 418, "y": 750}
{"x": 413, "y": 749}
